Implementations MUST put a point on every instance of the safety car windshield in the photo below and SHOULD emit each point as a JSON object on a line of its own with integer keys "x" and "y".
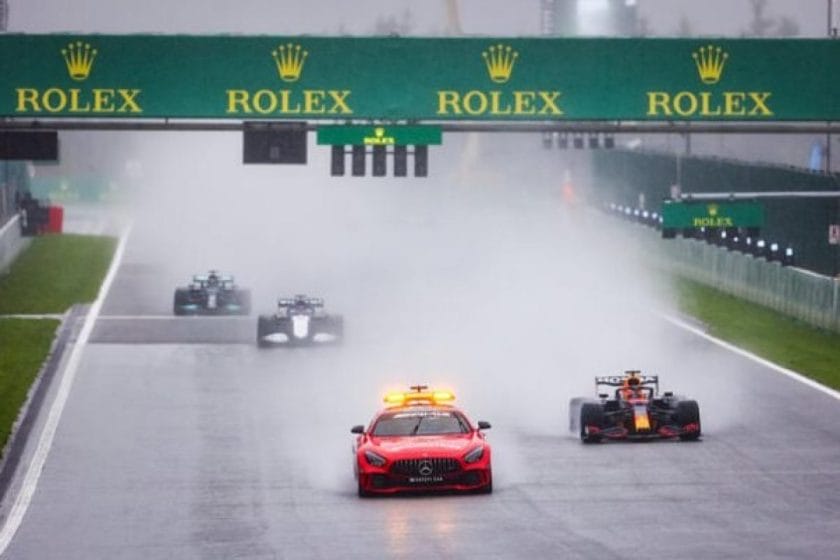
{"x": 420, "y": 423}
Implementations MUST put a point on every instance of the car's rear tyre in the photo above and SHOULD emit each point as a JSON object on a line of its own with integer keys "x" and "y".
{"x": 591, "y": 414}
{"x": 685, "y": 413}
{"x": 338, "y": 326}
{"x": 244, "y": 300}
{"x": 264, "y": 328}
{"x": 182, "y": 298}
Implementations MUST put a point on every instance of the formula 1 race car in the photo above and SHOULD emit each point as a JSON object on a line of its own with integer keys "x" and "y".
{"x": 299, "y": 320}
{"x": 212, "y": 294}
{"x": 635, "y": 410}
{"x": 420, "y": 442}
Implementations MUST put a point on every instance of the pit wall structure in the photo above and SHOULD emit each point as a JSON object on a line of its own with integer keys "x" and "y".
{"x": 14, "y": 179}
{"x": 809, "y": 291}
{"x": 644, "y": 179}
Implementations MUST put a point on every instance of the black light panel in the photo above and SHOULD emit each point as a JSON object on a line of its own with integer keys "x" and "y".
{"x": 41, "y": 145}
{"x": 274, "y": 145}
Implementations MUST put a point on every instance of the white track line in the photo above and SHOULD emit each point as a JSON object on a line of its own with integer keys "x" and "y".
{"x": 741, "y": 352}
{"x": 180, "y": 318}
{"x": 36, "y": 465}
{"x": 35, "y": 316}
{"x": 13, "y": 220}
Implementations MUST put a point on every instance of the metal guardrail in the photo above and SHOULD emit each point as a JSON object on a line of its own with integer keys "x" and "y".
{"x": 809, "y": 297}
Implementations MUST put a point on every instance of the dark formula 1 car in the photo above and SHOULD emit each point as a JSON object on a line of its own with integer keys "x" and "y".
{"x": 420, "y": 442}
{"x": 299, "y": 320}
{"x": 212, "y": 294}
{"x": 635, "y": 410}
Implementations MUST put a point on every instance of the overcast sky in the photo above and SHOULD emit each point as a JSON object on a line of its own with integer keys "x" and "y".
{"x": 427, "y": 17}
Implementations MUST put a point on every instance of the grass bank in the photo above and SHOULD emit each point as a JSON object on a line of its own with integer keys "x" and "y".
{"x": 25, "y": 344}
{"x": 55, "y": 272}
{"x": 790, "y": 343}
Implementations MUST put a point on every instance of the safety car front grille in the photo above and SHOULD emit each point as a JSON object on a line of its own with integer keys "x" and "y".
{"x": 421, "y": 467}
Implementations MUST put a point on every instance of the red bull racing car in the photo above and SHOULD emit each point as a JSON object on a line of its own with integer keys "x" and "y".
{"x": 634, "y": 410}
{"x": 420, "y": 442}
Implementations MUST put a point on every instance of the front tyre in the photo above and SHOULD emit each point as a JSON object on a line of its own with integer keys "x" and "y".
{"x": 487, "y": 489}
{"x": 685, "y": 414}
{"x": 362, "y": 492}
{"x": 591, "y": 414}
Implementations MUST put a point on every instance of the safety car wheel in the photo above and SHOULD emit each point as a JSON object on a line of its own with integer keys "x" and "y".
{"x": 364, "y": 493}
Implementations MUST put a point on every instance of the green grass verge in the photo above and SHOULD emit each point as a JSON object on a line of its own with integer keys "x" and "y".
{"x": 790, "y": 343}
{"x": 55, "y": 272}
{"x": 25, "y": 344}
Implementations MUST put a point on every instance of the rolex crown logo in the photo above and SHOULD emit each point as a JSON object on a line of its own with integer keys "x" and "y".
{"x": 79, "y": 58}
{"x": 289, "y": 59}
{"x": 500, "y": 60}
{"x": 379, "y": 132}
{"x": 710, "y": 61}
{"x": 713, "y": 210}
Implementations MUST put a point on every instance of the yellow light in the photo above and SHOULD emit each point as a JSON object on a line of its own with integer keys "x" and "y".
{"x": 418, "y": 397}
{"x": 394, "y": 399}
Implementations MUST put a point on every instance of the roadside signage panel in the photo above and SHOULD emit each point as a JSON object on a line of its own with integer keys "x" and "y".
{"x": 688, "y": 214}
{"x": 400, "y": 78}
{"x": 379, "y": 135}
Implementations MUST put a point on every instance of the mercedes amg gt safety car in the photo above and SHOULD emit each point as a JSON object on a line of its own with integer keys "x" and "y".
{"x": 634, "y": 410}
{"x": 420, "y": 442}
{"x": 212, "y": 294}
{"x": 299, "y": 320}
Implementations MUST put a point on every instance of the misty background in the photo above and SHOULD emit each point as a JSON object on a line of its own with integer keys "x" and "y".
{"x": 481, "y": 277}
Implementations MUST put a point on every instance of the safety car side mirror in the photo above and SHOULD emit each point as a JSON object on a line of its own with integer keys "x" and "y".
{"x": 357, "y": 429}
{"x": 482, "y": 425}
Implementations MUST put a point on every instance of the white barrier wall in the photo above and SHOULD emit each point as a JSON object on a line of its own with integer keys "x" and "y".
{"x": 802, "y": 294}
{"x": 11, "y": 243}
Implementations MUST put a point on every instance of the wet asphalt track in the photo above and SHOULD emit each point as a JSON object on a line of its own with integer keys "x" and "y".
{"x": 181, "y": 439}
{"x": 192, "y": 450}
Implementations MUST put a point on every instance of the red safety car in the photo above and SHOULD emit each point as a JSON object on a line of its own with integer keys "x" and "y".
{"x": 420, "y": 442}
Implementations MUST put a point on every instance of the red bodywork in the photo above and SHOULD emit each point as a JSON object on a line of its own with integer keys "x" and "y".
{"x": 422, "y": 463}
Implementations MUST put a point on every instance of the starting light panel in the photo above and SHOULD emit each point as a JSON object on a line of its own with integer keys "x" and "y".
{"x": 379, "y": 156}
{"x": 40, "y": 145}
{"x": 284, "y": 144}
{"x": 421, "y": 161}
{"x": 358, "y": 161}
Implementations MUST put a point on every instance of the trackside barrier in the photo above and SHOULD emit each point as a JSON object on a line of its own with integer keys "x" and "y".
{"x": 799, "y": 293}
{"x": 12, "y": 243}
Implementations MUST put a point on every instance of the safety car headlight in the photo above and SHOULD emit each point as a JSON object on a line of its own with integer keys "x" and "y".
{"x": 474, "y": 455}
{"x": 374, "y": 459}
